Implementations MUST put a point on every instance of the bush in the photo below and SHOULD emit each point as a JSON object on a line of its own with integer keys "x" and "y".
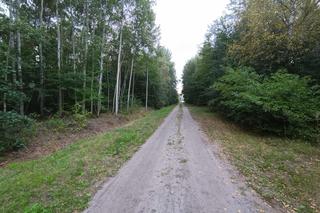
{"x": 283, "y": 103}
{"x": 80, "y": 119}
{"x": 70, "y": 122}
{"x": 15, "y": 131}
{"x": 55, "y": 124}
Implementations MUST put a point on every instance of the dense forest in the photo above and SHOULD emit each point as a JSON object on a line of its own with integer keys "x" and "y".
{"x": 259, "y": 66}
{"x": 85, "y": 57}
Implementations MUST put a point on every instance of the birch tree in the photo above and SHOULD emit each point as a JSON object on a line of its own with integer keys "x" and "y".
{"x": 19, "y": 67}
{"x": 117, "y": 88}
{"x": 147, "y": 89}
{"x": 130, "y": 79}
{"x": 101, "y": 59}
{"x": 60, "y": 108}
{"x": 84, "y": 74}
{"x": 41, "y": 60}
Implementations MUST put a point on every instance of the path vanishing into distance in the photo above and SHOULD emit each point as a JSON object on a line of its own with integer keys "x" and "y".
{"x": 177, "y": 170}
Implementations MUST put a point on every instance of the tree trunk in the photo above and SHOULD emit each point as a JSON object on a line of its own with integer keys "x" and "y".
{"x": 6, "y": 74}
{"x": 92, "y": 73}
{"x": 21, "y": 102}
{"x": 117, "y": 88}
{"x": 101, "y": 65}
{"x": 13, "y": 61}
{"x": 124, "y": 85}
{"x": 59, "y": 58}
{"x": 10, "y": 47}
{"x": 133, "y": 82}
{"x": 108, "y": 92}
{"x": 73, "y": 54}
{"x": 130, "y": 79}
{"x": 147, "y": 89}
{"x": 84, "y": 85}
{"x": 41, "y": 62}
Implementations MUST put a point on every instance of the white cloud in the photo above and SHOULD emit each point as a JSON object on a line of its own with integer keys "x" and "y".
{"x": 183, "y": 25}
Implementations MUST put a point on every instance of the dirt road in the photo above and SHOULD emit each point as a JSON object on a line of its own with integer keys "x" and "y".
{"x": 176, "y": 170}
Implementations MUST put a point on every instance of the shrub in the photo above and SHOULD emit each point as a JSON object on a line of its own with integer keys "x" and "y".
{"x": 80, "y": 119}
{"x": 15, "y": 131}
{"x": 71, "y": 122}
{"x": 55, "y": 124}
{"x": 282, "y": 103}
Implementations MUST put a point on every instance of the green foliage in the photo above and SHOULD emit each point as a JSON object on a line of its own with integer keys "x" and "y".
{"x": 282, "y": 103}
{"x": 208, "y": 66}
{"x": 74, "y": 122}
{"x": 268, "y": 36}
{"x": 55, "y": 124}
{"x": 121, "y": 142}
{"x": 15, "y": 131}
{"x": 278, "y": 34}
{"x": 65, "y": 180}
{"x": 80, "y": 118}
{"x": 37, "y": 208}
{"x": 90, "y": 33}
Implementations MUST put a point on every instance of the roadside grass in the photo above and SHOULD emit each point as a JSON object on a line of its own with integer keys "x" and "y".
{"x": 279, "y": 169}
{"x": 66, "y": 180}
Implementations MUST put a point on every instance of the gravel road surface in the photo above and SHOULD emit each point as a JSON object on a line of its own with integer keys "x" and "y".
{"x": 177, "y": 170}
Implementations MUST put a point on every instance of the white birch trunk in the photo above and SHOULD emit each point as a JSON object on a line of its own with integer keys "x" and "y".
{"x": 147, "y": 85}
{"x": 73, "y": 54}
{"x": 41, "y": 63}
{"x": 59, "y": 58}
{"x": 117, "y": 88}
{"x": 130, "y": 79}
{"x": 101, "y": 65}
{"x": 84, "y": 85}
{"x": 6, "y": 75}
{"x": 133, "y": 83}
{"x": 19, "y": 68}
{"x": 92, "y": 73}
{"x": 108, "y": 85}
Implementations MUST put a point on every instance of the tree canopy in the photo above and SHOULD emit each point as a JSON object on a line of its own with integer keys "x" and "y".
{"x": 58, "y": 54}
{"x": 273, "y": 49}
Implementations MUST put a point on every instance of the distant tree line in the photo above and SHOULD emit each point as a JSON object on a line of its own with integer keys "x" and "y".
{"x": 94, "y": 56}
{"x": 260, "y": 66}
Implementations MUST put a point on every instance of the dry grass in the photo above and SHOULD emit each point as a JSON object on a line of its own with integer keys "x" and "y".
{"x": 283, "y": 171}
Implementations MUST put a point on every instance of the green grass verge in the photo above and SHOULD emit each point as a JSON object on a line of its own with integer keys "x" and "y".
{"x": 279, "y": 169}
{"x": 66, "y": 180}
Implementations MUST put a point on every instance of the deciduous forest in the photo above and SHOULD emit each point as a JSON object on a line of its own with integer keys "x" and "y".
{"x": 80, "y": 58}
{"x": 259, "y": 66}
{"x": 89, "y": 113}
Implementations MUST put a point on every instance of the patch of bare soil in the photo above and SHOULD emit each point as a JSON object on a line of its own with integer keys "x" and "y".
{"x": 49, "y": 141}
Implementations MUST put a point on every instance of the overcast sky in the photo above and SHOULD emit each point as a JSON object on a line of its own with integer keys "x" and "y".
{"x": 183, "y": 24}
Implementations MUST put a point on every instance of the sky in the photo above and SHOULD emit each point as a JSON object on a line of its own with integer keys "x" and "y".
{"x": 183, "y": 25}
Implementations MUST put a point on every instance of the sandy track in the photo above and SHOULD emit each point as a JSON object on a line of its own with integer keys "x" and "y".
{"x": 176, "y": 171}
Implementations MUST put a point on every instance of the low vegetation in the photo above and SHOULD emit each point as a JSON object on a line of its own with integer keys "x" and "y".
{"x": 66, "y": 180}
{"x": 282, "y": 170}
{"x": 15, "y": 131}
{"x": 283, "y": 104}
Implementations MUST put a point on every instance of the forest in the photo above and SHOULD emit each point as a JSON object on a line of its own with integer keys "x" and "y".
{"x": 259, "y": 66}
{"x": 69, "y": 57}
